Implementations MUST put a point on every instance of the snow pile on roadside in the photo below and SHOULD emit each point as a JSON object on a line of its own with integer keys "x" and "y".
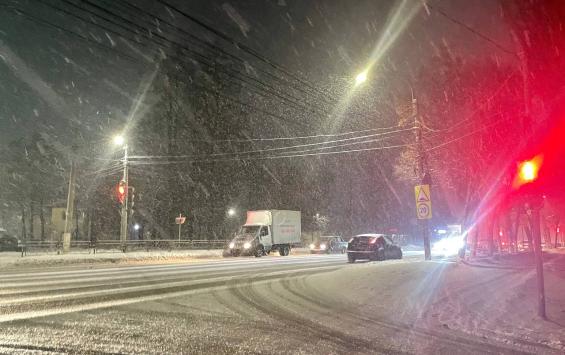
{"x": 14, "y": 260}
{"x": 494, "y": 304}
{"x": 553, "y": 260}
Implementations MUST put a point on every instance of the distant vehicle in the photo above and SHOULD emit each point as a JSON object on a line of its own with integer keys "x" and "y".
{"x": 266, "y": 231}
{"x": 373, "y": 247}
{"x": 329, "y": 244}
{"x": 7, "y": 242}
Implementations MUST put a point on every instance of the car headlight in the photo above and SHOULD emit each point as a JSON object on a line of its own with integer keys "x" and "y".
{"x": 449, "y": 246}
{"x": 232, "y": 245}
{"x": 312, "y": 246}
{"x": 323, "y": 246}
{"x": 247, "y": 245}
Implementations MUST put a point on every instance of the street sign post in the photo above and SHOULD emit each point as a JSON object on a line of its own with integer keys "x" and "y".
{"x": 180, "y": 221}
{"x": 424, "y": 213}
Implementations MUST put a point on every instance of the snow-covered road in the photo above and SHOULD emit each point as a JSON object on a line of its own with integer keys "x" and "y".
{"x": 296, "y": 304}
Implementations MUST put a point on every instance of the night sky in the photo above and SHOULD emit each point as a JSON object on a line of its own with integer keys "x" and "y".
{"x": 317, "y": 39}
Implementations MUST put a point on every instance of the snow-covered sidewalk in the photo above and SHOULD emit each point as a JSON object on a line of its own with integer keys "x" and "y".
{"x": 554, "y": 259}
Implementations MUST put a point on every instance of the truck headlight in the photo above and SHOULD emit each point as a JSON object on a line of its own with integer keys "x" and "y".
{"x": 323, "y": 246}
{"x": 232, "y": 245}
{"x": 312, "y": 246}
{"x": 247, "y": 245}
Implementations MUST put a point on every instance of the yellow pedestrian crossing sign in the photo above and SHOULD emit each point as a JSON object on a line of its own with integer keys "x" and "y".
{"x": 423, "y": 201}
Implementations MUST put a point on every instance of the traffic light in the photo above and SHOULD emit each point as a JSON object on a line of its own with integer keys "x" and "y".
{"x": 528, "y": 171}
{"x": 122, "y": 191}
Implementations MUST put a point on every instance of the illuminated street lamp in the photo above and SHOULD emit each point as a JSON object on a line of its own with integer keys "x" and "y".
{"x": 361, "y": 78}
{"x": 119, "y": 140}
{"x": 231, "y": 212}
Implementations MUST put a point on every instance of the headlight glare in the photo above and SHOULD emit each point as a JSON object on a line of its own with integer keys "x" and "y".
{"x": 247, "y": 245}
{"x": 232, "y": 245}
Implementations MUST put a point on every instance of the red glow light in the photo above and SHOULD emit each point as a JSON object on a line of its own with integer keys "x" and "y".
{"x": 528, "y": 171}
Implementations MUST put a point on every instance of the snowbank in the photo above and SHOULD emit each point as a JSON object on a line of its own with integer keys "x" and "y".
{"x": 10, "y": 260}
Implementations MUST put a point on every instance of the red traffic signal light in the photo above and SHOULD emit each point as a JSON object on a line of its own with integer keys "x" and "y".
{"x": 122, "y": 191}
{"x": 528, "y": 171}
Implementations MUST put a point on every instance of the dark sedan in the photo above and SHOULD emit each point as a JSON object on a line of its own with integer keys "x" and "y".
{"x": 372, "y": 247}
{"x": 8, "y": 243}
{"x": 328, "y": 245}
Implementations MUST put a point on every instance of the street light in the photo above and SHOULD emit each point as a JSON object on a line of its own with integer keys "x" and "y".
{"x": 361, "y": 78}
{"x": 136, "y": 227}
{"x": 119, "y": 140}
{"x": 231, "y": 212}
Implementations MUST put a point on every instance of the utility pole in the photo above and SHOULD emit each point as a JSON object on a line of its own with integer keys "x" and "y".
{"x": 422, "y": 175}
{"x": 536, "y": 203}
{"x": 70, "y": 210}
{"x": 124, "y": 212}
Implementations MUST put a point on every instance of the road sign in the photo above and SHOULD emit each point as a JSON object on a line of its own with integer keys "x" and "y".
{"x": 423, "y": 201}
{"x": 180, "y": 219}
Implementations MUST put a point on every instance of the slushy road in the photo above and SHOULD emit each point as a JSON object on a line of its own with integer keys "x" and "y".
{"x": 243, "y": 305}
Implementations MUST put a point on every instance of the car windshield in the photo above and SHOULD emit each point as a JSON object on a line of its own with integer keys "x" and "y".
{"x": 176, "y": 176}
{"x": 249, "y": 230}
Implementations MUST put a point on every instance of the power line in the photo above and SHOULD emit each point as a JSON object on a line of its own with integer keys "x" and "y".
{"x": 200, "y": 42}
{"x": 243, "y": 47}
{"x": 244, "y": 155}
{"x": 472, "y": 114}
{"x": 72, "y": 33}
{"x": 468, "y": 134}
{"x": 270, "y": 139}
{"x": 252, "y": 107}
{"x": 471, "y": 29}
{"x": 204, "y": 59}
{"x": 279, "y": 148}
{"x": 178, "y": 58}
{"x": 271, "y": 157}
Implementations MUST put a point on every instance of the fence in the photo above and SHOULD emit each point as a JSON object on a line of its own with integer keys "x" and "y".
{"x": 116, "y": 245}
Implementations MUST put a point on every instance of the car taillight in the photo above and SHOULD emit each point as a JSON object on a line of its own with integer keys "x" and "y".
{"x": 373, "y": 240}
{"x": 350, "y": 240}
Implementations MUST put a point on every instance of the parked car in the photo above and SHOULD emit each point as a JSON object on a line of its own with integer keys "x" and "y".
{"x": 329, "y": 244}
{"x": 373, "y": 247}
{"x": 7, "y": 242}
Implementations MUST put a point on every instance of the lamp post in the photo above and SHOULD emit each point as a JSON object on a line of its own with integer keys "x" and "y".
{"x": 120, "y": 141}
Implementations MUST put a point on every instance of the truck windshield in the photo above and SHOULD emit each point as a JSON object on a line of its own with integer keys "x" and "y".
{"x": 249, "y": 229}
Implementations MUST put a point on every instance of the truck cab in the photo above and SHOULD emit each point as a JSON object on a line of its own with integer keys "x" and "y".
{"x": 251, "y": 240}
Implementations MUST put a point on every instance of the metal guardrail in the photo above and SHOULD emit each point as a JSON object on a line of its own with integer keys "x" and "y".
{"x": 130, "y": 245}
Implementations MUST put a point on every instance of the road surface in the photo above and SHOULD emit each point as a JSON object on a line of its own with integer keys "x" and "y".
{"x": 266, "y": 305}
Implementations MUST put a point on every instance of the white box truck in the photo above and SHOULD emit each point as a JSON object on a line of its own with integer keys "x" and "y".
{"x": 266, "y": 231}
